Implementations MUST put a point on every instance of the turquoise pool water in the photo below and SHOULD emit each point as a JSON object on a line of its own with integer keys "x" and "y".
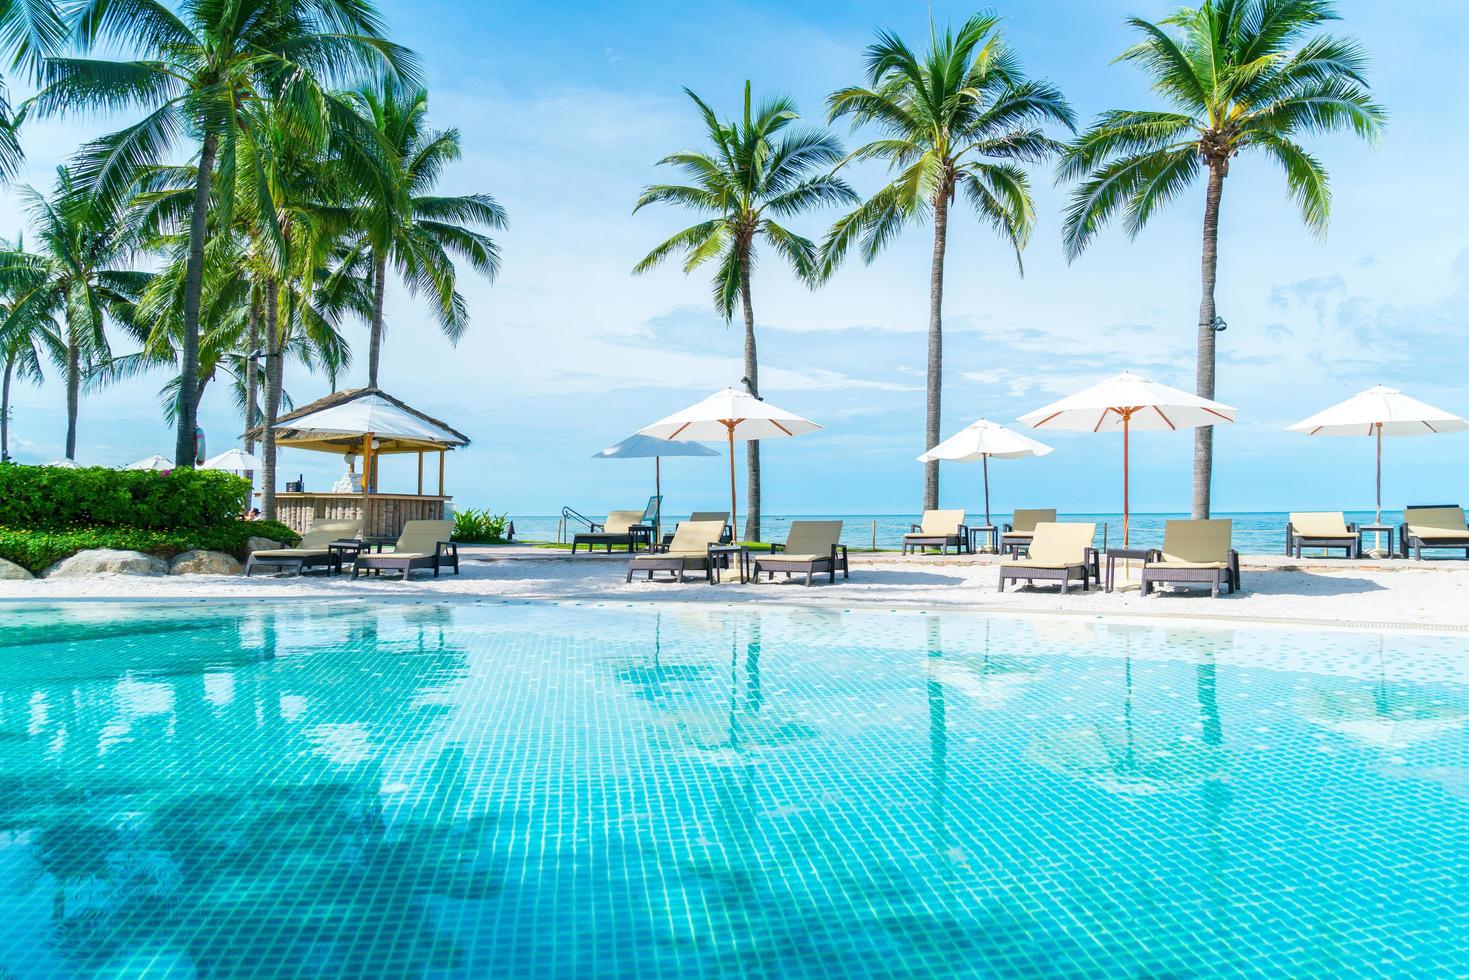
{"x": 558, "y": 790}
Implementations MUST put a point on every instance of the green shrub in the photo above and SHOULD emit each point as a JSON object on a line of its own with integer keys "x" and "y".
{"x": 479, "y": 527}
{"x": 52, "y": 498}
{"x": 37, "y": 551}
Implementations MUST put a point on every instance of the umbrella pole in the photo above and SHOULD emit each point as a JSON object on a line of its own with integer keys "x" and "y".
{"x": 1379, "y": 473}
{"x": 658, "y": 490}
{"x": 734, "y": 515}
{"x": 986, "y": 458}
{"x": 1126, "y": 437}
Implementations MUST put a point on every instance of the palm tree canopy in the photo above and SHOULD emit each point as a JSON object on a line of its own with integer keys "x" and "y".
{"x": 1238, "y": 75}
{"x": 205, "y": 68}
{"x": 756, "y": 170}
{"x": 963, "y": 116}
{"x": 397, "y": 213}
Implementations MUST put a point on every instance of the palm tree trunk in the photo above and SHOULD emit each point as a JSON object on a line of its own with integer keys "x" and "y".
{"x": 1204, "y": 435}
{"x": 188, "y": 408}
{"x": 5, "y": 409}
{"x": 73, "y": 394}
{"x": 252, "y": 377}
{"x": 272, "y": 397}
{"x": 375, "y": 340}
{"x": 752, "y": 385}
{"x": 934, "y": 414}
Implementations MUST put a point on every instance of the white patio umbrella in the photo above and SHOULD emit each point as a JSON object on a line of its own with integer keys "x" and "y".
{"x": 985, "y": 440}
{"x": 647, "y": 447}
{"x": 1378, "y": 412}
{"x": 65, "y": 464}
{"x": 154, "y": 462}
{"x": 1128, "y": 401}
{"x": 234, "y": 460}
{"x": 730, "y": 414}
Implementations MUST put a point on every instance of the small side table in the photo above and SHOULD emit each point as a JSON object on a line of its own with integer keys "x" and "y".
{"x": 345, "y": 552}
{"x": 1365, "y": 529}
{"x": 990, "y": 531}
{"x": 1123, "y": 554}
{"x": 739, "y": 552}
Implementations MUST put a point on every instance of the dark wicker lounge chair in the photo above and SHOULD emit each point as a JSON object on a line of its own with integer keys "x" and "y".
{"x": 1438, "y": 526}
{"x": 423, "y": 544}
{"x": 1060, "y": 553}
{"x": 1194, "y": 552}
{"x": 810, "y": 547}
{"x": 1325, "y": 530}
{"x": 941, "y": 529}
{"x": 1015, "y": 536}
{"x": 622, "y": 527}
{"x": 688, "y": 551}
{"x": 313, "y": 551}
{"x": 725, "y": 537}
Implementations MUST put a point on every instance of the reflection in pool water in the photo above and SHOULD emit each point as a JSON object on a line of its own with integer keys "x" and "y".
{"x": 537, "y": 790}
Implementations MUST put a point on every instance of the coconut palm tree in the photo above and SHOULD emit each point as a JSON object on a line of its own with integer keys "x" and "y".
{"x": 204, "y": 71}
{"x": 1237, "y": 75}
{"x": 755, "y": 172}
{"x": 960, "y": 117}
{"x": 29, "y": 31}
{"x": 24, "y": 344}
{"x": 77, "y": 277}
{"x": 406, "y": 225}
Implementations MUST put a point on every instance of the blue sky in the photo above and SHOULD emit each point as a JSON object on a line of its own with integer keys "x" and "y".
{"x": 565, "y": 108}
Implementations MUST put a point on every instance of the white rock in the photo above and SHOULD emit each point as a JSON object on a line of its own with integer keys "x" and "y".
{"x": 204, "y": 563}
{"x": 11, "y": 572}
{"x": 97, "y": 561}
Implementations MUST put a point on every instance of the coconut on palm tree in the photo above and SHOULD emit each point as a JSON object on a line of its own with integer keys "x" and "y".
{"x": 205, "y": 70}
{"x": 403, "y": 224}
{"x": 961, "y": 117}
{"x": 77, "y": 277}
{"x": 756, "y": 171}
{"x": 1238, "y": 76}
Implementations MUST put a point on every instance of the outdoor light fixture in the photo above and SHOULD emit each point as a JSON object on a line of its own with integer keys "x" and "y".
{"x": 1219, "y": 325}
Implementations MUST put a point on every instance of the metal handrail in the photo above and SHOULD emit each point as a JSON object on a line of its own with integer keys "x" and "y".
{"x": 568, "y": 515}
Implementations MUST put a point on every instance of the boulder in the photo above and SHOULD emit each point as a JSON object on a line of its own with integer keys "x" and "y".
{"x": 11, "y": 572}
{"x": 261, "y": 544}
{"x": 204, "y": 563}
{"x": 112, "y": 561}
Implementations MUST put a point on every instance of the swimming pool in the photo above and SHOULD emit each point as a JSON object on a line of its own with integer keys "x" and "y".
{"x": 558, "y": 790}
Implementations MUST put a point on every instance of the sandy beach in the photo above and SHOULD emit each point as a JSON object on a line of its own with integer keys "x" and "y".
{"x": 1394, "y": 594}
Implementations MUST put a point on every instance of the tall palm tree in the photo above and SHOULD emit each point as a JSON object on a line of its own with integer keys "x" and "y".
{"x": 404, "y": 224}
{"x": 206, "y": 69}
{"x": 754, "y": 173}
{"x": 24, "y": 343}
{"x": 77, "y": 277}
{"x": 960, "y": 117}
{"x": 1238, "y": 75}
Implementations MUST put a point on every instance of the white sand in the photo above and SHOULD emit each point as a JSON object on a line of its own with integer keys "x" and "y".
{"x": 1340, "y": 593}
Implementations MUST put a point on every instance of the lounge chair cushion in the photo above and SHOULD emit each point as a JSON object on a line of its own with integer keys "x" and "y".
{"x": 1188, "y": 564}
{"x": 1059, "y": 545}
{"x": 787, "y": 556}
{"x": 1195, "y": 543}
{"x": 1024, "y": 521}
{"x": 618, "y": 521}
{"x": 811, "y": 539}
{"x": 422, "y": 537}
{"x": 722, "y": 516}
{"x": 1324, "y": 524}
{"x": 290, "y": 553}
{"x": 1431, "y": 523}
{"x": 940, "y": 522}
{"x": 691, "y": 542}
{"x": 323, "y": 533}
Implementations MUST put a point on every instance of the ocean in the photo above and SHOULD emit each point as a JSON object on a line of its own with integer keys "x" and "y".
{"x": 1254, "y": 533}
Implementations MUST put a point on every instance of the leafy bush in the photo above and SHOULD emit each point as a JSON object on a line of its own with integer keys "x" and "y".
{"x": 39, "y": 550}
{"x": 52, "y": 498}
{"x": 479, "y": 527}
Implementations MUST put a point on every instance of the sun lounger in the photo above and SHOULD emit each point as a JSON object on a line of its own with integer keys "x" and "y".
{"x": 810, "y": 547}
{"x": 1016, "y": 535}
{"x": 624, "y": 527}
{"x": 725, "y": 537}
{"x": 423, "y": 544}
{"x": 689, "y": 550}
{"x": 313, "y": 551}
{"x": 1438, "y": 526}
{"x": 1325, "y": 530}
{"x": 1058, "y": 553}
{"x": 941, "y": 529}
{"x": 1194, "y": 551}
